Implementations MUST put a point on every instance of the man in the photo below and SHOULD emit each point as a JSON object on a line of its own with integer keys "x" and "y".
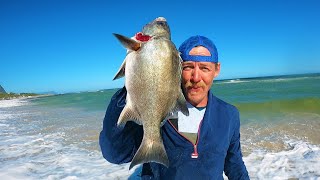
{"x": 202, "y": 145}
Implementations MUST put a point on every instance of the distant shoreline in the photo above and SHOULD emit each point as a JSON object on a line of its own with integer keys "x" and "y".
{"x": 272, "y": 76}
{"x": 217, "y": 80}
{"x": 25, "y": 97}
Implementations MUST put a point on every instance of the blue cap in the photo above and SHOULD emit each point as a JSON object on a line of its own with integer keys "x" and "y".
{"x": 194, "y": 41}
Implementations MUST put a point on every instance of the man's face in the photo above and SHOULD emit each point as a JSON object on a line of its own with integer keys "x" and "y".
{"x": 197, "y": 78}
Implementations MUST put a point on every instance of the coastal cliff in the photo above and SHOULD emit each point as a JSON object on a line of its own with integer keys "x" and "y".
{"x": 5, "y": 95}
{"x": 2, "y": 90}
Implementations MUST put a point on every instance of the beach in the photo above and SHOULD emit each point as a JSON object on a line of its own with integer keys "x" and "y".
{"x": 56, "y": 137}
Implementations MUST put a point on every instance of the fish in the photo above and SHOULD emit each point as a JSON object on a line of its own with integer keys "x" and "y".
{"x": 152, "y": 71}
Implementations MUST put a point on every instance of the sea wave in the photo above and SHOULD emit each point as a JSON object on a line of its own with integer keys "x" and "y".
{"x": 303, "y": 104}
{"x": 231, "y": 81}
{"x": 281, "y": 79}
{"x": 301, "y": 161}
{"x": 267, "y": 79}
{"x": 273, "y": 133}
{"x": 28, "y": 152}
{"x": 13, "y": 103}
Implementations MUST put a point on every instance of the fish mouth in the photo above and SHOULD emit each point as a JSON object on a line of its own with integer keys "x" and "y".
{"x": 160, "y": 19}
{"x": 157, "y": 27}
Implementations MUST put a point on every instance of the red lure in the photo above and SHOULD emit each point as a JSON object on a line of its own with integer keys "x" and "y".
{"x": 139, "y": 36}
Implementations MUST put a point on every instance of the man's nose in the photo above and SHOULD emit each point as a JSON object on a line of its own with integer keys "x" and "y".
{"x": 196, "y": 75}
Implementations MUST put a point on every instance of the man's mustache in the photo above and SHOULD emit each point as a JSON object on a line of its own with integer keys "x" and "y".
{"x": 189, "y": 84}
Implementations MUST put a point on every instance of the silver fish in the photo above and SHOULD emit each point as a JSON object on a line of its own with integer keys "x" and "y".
{"x": 152, "y": 71}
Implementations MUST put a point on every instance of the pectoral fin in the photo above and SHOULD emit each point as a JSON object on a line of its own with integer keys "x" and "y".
{"x": 121, "y": 71}
{"x": 126, "y": 115}
{"x": 128, "y": 43}
{"x": 170, "y": 115}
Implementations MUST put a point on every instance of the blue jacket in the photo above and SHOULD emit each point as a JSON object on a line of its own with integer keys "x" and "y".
{"x": 217, "y": 148}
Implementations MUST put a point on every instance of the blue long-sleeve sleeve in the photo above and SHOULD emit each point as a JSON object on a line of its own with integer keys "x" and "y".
{"x": 234, "y": 166}
{"x": 119, "y": 144}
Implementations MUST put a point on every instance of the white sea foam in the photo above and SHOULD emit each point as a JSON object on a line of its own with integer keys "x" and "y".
{"x": 12, "y": 103}
{"x": 5, "y": 116}
{"x": 301, "y": 161}
{"x": 232, "y": 81}
{"x": 27, "y": 152}
{"x": 47, "y": 157}
{"x": 286, "y": 79}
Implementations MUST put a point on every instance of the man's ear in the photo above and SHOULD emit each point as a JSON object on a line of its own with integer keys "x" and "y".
{"x": 217, "y": 69}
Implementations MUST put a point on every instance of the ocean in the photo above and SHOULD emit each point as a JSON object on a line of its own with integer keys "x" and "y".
{"x": 56, "y": 137}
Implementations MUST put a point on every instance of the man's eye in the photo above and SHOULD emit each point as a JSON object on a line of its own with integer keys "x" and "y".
{"x": 187, "y": 67}
{"x": 205, "y": 69}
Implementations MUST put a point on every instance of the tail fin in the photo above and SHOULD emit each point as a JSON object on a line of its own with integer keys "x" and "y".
{"x": 150, "y": 151}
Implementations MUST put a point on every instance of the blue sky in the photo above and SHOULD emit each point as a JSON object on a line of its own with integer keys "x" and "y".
{"x": 68, "y": 46}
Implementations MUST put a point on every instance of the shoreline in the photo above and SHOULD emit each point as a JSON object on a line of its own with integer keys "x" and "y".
{"x": 26, "y": 97}
{"x": 18, "y": 101}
